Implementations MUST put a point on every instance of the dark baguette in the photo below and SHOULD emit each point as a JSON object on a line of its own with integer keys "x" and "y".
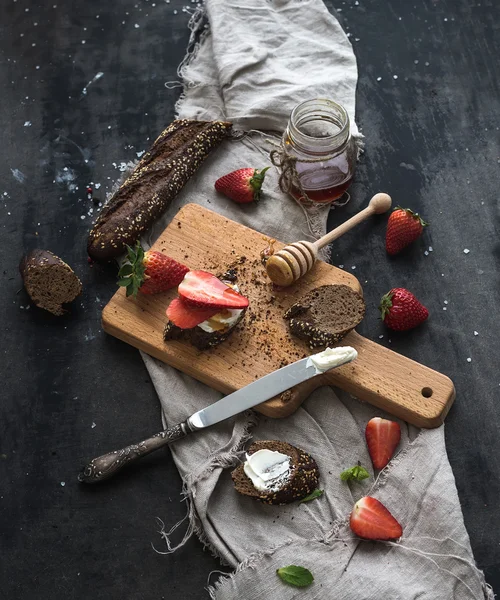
{"x": 304, "y": 476}
{"x": 49, "y": 281}
{"x": 325, "y": 315}
{"x": 159, "y": 176}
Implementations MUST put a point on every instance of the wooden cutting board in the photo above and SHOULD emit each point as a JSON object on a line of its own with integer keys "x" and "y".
{"x": 202, "y": 239}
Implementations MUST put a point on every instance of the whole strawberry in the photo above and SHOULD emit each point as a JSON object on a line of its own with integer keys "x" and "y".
{"x": 242, "y": 186}
{"x": 401, "y": 310}
{"x": 403, "y": 228}
{"x": 149, "y": 272}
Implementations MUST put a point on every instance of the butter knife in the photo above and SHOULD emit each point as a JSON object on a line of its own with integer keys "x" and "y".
{"x": 255, "y": 393}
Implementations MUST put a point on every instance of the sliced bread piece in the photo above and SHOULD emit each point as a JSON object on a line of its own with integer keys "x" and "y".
{"x": 212, "y": 332}
{"x": 303, "y": 478}
{"x": 49, "y": 281}
{"x": 326, "y": 315}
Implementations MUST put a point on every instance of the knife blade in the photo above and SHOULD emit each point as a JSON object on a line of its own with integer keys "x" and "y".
{"x": 251, "y": 395}
{"x": 257, "y": 392}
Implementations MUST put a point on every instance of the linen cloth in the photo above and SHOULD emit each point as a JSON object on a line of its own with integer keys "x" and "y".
{"x": 255, "y": 61}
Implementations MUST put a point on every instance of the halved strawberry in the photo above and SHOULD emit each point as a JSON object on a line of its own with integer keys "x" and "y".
{"x": 200, "y": 289}
{"x": 186, "y": 317}
{"x": 371, "y": 520}
{"x": 382, "y": 438}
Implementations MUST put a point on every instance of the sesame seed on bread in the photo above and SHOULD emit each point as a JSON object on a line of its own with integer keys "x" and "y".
{"x": 159, "y": 176}
{"x": 325, "y": 315}
{"x": 303, "y": 479}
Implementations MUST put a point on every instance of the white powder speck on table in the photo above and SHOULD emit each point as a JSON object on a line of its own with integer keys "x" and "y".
{"x": 466, "y": 250}
{"x": 379, "y": 78}
{"x": 445, "y": 302}
{"x": 476, "y": 333}
{"x": 394, "y": 76}
{"x": 469, "y": 359}
{"x": 63, "y": 483}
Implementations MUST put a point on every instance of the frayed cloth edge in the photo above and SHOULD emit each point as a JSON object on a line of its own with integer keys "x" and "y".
{"x": 189, "y": 482}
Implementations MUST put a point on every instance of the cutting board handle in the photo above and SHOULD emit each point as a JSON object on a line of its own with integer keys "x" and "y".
{"x": 389, "y": 381}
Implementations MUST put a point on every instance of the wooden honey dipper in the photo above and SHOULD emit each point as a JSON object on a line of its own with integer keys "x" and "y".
{"x": 295, "y": 260}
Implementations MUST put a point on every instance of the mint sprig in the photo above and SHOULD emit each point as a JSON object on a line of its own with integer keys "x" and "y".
{"x": 294, "y": 575}
{"x": 357, "y": 473}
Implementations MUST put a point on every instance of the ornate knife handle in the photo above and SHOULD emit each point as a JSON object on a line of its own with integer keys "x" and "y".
{"x": 107, "y": 465}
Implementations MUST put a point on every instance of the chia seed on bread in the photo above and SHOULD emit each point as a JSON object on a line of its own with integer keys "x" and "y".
{"x": 325, "y": 315}
{"x": 304, "y": 475}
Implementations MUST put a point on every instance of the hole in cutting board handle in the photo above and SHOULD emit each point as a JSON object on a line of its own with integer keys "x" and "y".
{"x": 426, "y": 392}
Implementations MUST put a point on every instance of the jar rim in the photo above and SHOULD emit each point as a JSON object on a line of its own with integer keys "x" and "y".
{"x": 337, "y": 138}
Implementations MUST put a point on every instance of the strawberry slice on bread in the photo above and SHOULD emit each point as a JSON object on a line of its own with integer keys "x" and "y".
{"x": 200, "y": 289}
{"x": 186, "y": 317}
{"x": 371, "y": 520}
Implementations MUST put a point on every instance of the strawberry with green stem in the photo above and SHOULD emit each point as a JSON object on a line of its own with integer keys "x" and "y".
{"x": 403, "y": 228}
{"x": 243, "y": 186}
{"x": 149, "y": 272}
{"x": 401, "y": 310}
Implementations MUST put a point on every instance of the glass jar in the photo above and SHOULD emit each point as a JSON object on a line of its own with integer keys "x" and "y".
{"x": 318, "y": 155}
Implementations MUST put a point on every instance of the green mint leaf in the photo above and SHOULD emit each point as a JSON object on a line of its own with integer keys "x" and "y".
{"x": 125, "y": 282}
{"x": 297, "y": 576}
{"x": 357, "y": 473}
{"x": 312, "y": 496}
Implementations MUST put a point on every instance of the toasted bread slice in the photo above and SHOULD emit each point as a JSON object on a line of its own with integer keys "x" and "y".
{"x": 303, "y": 479}
{"x": 326, "y": 315}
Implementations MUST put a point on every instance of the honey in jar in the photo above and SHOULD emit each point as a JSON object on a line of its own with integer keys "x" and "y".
{"x": 318, "y": 152}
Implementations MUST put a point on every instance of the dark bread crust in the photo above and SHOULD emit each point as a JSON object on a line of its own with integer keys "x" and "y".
{"x": 49, "y": 281}
{"x": 304, "y": 475}
{"x": 160, "y": 175}
{"x": 326, "y": 315}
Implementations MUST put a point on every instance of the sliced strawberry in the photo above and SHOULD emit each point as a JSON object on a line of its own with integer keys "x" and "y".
{"x": 382, "y": 438}
{"x": 371, "y": 520}
{"x": 200, "y": 289}
{"x": 186, "y": 317}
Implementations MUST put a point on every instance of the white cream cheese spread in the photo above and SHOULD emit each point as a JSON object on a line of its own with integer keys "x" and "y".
{"x": 269, "y": 470}
{"x": 225, "y": 319}
{"x": 331, "y": 357}
{"x": 221, "y": 321}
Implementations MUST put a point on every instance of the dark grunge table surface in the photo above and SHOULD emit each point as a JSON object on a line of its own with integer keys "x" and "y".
{"x": 428, "y": 104}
